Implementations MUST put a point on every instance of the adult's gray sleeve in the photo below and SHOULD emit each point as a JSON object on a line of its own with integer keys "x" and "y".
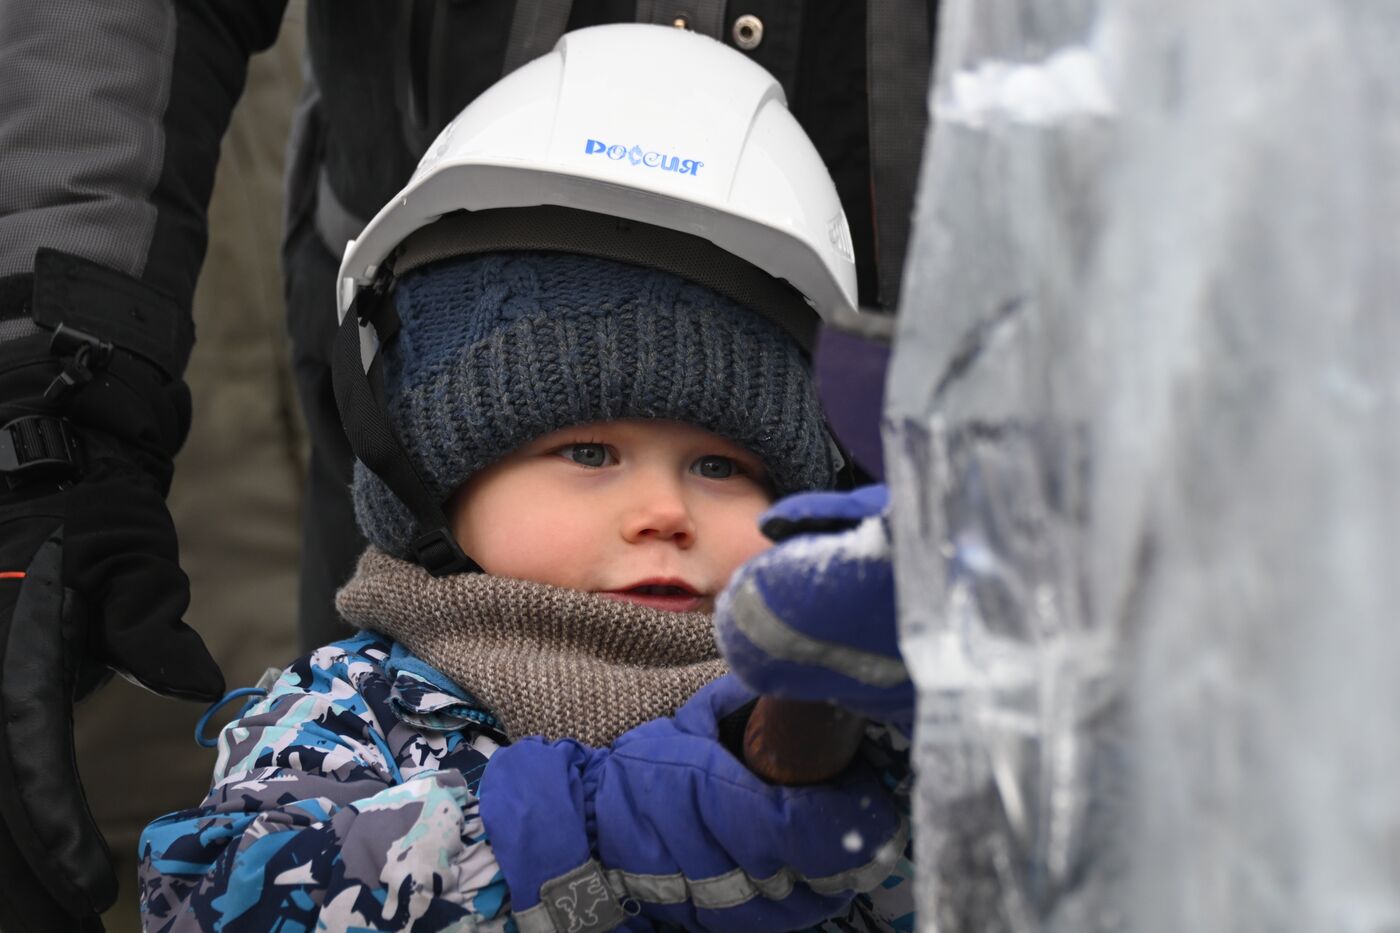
{"x": 111, "y": 116}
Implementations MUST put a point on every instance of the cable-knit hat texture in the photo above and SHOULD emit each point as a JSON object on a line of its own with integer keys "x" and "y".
{"x": 498, "y": 349}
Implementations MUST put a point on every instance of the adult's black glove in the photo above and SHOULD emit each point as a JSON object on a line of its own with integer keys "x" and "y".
{"x": 89, "y": 583}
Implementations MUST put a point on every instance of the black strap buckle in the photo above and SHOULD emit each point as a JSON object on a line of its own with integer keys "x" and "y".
{"x": 90, "y": 355}
{"x": 440, "y": 554}
{"x": 39, "y": 445}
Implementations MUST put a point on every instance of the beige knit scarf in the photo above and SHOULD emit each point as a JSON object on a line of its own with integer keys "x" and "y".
{"x": 547, "y": 661}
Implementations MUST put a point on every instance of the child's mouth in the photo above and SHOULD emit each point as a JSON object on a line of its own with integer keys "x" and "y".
{"x": 666, "y": 596}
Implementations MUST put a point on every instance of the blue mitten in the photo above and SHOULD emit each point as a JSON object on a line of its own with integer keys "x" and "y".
{"x": 814, "y": 617}
{"x": 668, "y": 824}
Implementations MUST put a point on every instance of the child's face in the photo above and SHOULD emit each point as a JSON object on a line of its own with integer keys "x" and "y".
{"x": 656, "y": 512}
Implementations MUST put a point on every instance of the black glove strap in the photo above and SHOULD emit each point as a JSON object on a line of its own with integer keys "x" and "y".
{"x": 116, "y": 349}
{"x": 116, "y": 308}
{"x": 39, "y": 446}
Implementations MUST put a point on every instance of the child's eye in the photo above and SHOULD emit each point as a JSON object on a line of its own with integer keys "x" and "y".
{"x": 715, "y": 467}
{"x": 589, "y": 455}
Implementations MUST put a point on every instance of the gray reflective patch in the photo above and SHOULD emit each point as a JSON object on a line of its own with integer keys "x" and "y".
{"x": 737, "y": 887}
{"x": 727, "y": 890}
{"x": 779, "y": 640}
{"x": 577, "y": 902}
{"x": 654, "y": 889}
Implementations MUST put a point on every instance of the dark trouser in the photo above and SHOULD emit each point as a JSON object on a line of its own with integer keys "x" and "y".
{"x": 331, "y": 541}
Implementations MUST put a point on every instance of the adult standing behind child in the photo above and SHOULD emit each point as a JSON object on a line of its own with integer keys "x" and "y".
{"x": 111, "y": 127}
{"x": 588, "y": 313}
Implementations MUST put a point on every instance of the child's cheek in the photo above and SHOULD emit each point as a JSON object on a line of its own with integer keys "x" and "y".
{"x": 748, "y": 542}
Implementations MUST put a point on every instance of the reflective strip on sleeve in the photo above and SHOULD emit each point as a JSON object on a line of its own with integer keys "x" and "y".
{"x": 576, "y": 898}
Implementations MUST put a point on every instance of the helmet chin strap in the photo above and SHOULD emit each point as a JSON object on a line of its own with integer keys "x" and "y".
{"x": 373, "y": 440}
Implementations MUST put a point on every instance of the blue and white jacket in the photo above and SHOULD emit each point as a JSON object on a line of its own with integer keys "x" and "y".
{"x": 346, "y": 800}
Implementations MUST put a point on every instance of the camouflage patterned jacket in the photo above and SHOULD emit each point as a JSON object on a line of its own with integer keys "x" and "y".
{"x": 346, "y": 800}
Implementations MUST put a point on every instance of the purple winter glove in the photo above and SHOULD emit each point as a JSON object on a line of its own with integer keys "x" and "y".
{"x": 668, "y": 824}
{"x": 814, "y": 617}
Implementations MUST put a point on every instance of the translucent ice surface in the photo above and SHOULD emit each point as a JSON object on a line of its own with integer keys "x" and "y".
{"x": 1143, "y": 439}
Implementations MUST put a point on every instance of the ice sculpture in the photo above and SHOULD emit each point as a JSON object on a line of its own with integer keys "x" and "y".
{"x": 1143, "y": 437}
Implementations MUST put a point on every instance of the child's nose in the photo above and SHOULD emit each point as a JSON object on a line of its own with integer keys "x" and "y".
{"x": 659, "y": 513}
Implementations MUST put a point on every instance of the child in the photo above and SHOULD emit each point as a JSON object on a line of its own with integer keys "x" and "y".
{"x": 538, "y": 746}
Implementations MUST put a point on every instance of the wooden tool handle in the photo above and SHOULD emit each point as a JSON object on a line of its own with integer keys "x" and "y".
{"x": 793, "y": 742}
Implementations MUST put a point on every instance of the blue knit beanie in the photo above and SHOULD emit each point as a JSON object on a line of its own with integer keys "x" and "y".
{"x": 498, "y": 349}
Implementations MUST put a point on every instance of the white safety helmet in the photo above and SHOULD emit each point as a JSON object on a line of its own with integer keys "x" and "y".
{"x": 648, "y": 124}
{"x": 642, "y": 144}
